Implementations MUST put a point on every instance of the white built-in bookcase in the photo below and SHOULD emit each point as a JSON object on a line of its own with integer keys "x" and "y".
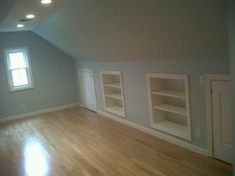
{"x": 170, "y": 104}
{"x": 112, "y": 87}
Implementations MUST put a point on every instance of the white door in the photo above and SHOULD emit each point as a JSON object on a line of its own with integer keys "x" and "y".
{"x": 222, "y": 120}
{"x": 87, "y": 89}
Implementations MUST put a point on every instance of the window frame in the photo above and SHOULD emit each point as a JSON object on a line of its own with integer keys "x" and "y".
{"x": 25, "y": 52}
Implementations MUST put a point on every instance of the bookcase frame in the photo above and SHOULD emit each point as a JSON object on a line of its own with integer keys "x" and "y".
{"x": 170, "y": 104}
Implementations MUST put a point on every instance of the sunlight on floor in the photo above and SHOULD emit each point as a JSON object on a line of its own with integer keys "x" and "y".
{"x": 35, "y": 159}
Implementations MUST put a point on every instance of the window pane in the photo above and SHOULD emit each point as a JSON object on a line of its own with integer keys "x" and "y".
{"x": 20, "y": 77}
{"x": 17, "y": 60}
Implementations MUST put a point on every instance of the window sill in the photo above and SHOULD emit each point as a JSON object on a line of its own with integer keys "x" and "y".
{"x": 20, "y": 89}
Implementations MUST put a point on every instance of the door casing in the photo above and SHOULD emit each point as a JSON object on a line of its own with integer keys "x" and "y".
{"x": 208, "y": 85}
{"x": 90, "y": 71}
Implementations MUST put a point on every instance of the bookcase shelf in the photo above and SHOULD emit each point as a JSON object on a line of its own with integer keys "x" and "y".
{"x": 115, "y": 110}
{"x": 114, "y": 85}
{"x": 114, "y": 96}
{"x": 173, "y": 128}
{"x": 169, "y": 104}
{"x": 170, "y": 93}
{"x": 113, "y": 93}
{"x": 171, "y": 108}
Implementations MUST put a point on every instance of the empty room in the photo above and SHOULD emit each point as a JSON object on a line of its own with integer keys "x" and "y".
{"x": 117, "y": 87}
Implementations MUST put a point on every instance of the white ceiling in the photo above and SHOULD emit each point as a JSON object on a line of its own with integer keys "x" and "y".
{"x": 22, "y": 7}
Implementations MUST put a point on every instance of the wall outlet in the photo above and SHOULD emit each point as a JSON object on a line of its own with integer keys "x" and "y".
{"x": 198, "y": 133}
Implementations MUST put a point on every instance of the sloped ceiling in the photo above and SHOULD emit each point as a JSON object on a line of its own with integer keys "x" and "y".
{"x": 139, "y": 30}
{"x": 5, "y": 7}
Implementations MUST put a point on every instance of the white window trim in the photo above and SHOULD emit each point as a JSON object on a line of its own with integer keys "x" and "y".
{"x": 9, "y": 77}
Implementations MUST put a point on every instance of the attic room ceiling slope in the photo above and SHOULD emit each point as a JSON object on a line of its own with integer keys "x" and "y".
{"x": 12, "y": 11}
{"x": 114, "y": 30}
{"x": 5, "y": 7}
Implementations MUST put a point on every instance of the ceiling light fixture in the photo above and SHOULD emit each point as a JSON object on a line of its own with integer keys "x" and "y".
{"x": 30, "y": 16}
{"x": 20, "y": 25}
{"x": 46, "y": 1}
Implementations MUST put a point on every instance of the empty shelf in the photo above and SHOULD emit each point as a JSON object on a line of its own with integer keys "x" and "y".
{"x": 115, "y": 110}
{"x": 171, "y": 108}
{"x": 173, "y": 128}
{"x": 115, "y": 96}
{"x": 170, "y": 93}
{"x": 115, "y": 85}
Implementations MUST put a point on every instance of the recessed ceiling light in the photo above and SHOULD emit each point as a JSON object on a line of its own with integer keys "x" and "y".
{"x": 20, "y": 25}
{"x": 30, "y": 16}
{"x": 46, "y": 1}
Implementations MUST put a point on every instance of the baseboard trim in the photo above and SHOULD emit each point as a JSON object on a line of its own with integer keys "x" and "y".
{"x": 160, "y": 135}
{"x": 173, "y": 140}
{"x": 81, "y": 105}
{"x": 30, "y": 114}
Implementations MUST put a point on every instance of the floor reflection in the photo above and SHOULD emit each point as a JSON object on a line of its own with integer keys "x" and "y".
{"x": 36, "y": 159}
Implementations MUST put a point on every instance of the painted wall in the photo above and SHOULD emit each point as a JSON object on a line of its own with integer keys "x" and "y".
{"x": 53, "y": 75}
{"x": 231, "y": 36}
{"x": 135, "y": 87}
{"x": 136, "y": 36}
{"x": 139, "y": 29}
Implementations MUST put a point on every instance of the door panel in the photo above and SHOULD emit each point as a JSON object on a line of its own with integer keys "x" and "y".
{"x": 87, "y": 89}
{"x": 222, "y": 120}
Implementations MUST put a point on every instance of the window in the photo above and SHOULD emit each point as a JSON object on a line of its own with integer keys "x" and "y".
{"x": 18, "y": 69}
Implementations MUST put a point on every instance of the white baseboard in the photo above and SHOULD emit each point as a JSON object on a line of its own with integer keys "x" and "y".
{"x": 118, "y": 119}
{"x": 30, "y": 114}
{"x": 160, "y": 135}
{"x": 81, "y": 105}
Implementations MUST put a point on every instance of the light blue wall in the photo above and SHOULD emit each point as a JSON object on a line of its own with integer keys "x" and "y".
{"x": 135, "y": 86}
{"x": 53, "y": 75}
{"x": 231, "y": 32}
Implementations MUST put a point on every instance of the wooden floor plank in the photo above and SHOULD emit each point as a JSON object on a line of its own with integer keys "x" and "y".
{"x": 80, "y": 142}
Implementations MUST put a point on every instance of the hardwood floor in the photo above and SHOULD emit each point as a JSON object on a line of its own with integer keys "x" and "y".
{"x": 78, "y": 142}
